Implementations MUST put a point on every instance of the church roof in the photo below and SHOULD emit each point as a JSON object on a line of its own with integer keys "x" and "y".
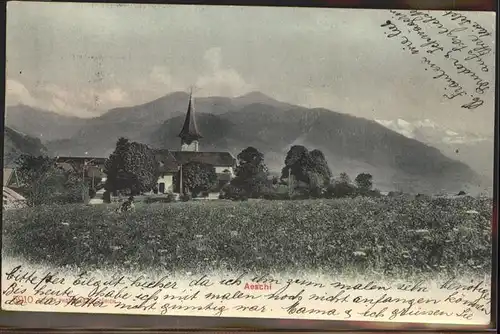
{"x": 171, "y": 160}
{"x": 220, "y": 159}
{"x": 190, "y": 130}
{"x": 168, "y": 163}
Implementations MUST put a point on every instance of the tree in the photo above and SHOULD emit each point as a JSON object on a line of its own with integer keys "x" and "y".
{"x": 132, "y": 166}
{"x": 38, "y": 178}
{"x": 340, "y": 190}
{"x": 295, "y": 163}
{"x": 341, "y": 187}
{"x": 251, "y": 173}
{"x": 310, "y": 168}
{"x": 320, "y": 164}
{"x": 197, "y": 177}
{"x": 43, "y": 182}
{"x": 364, "y": 181}
{"x": 344, "y": 178}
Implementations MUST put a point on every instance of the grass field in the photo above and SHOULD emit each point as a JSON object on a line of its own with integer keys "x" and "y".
{"x": 384, "y": 235}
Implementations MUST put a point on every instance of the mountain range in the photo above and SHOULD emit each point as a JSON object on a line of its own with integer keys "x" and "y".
{"x": 475, "y": 150}
{"x": 16, "y": 143}
{"x": 351, "y": 144}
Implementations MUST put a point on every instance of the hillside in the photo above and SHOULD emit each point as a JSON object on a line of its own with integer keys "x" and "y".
{"x": 42, "y": 124}
{"x": 138, "y": 122}
{"x": 351, "y": 144}
{"x": 473, "y": 149}
{"x": 16, "y": 143}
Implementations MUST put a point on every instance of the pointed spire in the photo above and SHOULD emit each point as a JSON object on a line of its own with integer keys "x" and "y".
{"x": 190, "y": 131}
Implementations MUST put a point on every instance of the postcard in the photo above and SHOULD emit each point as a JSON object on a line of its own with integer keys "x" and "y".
{"x": 262, "y": 162}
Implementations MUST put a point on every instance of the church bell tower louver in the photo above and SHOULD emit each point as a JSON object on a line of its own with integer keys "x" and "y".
{"x": 190, "y": 135}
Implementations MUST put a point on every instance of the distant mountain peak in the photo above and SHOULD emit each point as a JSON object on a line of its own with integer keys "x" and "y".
{"x": 178, "y": 94}
{"x": 429, "y": 132}
{"x": 257, "y": 97}
{"x": 256, "y": 94}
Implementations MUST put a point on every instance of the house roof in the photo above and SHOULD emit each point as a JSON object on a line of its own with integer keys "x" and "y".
{"x": 11, "y": 195}
{"x": 168, "y": 163}
{"x": 221, "y": 159}
{"x": 92, "y": 160}
{"x": 7, "y": 176}
{"x": 10, "y": 178}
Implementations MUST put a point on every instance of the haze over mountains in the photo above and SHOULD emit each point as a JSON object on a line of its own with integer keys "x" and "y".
{"x": 475, "y": 150}
{"x": 351, "y": 144}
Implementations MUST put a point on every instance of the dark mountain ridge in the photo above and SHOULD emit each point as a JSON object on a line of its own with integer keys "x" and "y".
{"x": 344, "y": 139}
{"x": 138, "y": 122}
{"x": 42, "y": 124}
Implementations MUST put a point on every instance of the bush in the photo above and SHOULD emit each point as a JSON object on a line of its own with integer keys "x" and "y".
{"x": 374, "y": 193}
{"x": 106, "y": 197}
{"x": 169, "y": 198}
{"x": 368, "y": 193}
{"x": 423, "y": 197}
{"x": 340, "y": 190}
{"x": 229, "y": 191}
{"x": 92, "y": 193}
{"x": 275, "y": 196}
{"x": 186, "y": 197}
{"x": 67, "y": 197}
{"x": 316, "y": 192}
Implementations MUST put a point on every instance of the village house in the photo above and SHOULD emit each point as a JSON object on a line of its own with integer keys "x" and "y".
{"x": 11, "y": 198}
{"x": 89, "y": 167}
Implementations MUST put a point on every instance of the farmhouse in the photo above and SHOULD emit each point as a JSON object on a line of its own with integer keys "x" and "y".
{"x": 11, "y": 199}
{"x": 171, "y": 162}
{"x": 90, "y": 167}
{"x": 10, "y": 177}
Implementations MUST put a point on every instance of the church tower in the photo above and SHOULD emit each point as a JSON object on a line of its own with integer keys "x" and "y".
{"x": 189, "y": 134}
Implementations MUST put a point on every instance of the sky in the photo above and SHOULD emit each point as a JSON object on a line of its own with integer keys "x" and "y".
{"x": 84, "y": 59}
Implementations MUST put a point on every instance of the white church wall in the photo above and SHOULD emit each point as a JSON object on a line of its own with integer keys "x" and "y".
{"x": 220, "y": 170}
{"x": 193, "y": 147}
{"x": 167, "y": 180}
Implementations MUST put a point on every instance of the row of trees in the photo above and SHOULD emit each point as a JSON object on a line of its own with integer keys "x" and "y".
{"x": 306, "y": 174}
{"x": 133, "y": 169}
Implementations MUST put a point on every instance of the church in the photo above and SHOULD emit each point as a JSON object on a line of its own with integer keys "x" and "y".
{"x": 171, "y": 162}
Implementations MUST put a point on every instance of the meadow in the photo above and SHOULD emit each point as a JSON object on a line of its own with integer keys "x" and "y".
{"x": 388, "y": 236}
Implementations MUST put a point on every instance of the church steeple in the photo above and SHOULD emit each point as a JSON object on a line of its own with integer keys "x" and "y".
{"x": 190, "y": 134}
